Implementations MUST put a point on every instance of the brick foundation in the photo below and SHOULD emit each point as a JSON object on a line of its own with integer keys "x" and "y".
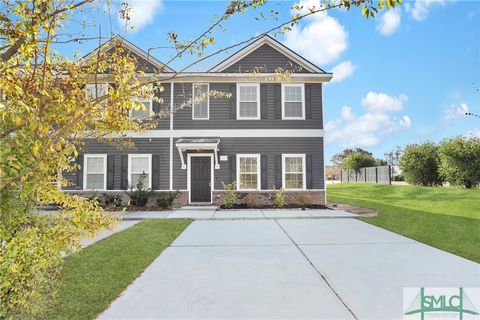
{"x": 252, "y": 198}
{"x": 265, "y": 198}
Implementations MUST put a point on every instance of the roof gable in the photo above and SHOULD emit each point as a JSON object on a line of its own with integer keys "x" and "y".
{"x": 145, "y": 62}
{"x": 266, "y": 55}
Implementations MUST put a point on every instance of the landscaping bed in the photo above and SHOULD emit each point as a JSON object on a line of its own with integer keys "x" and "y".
{"x": 287, "y": 206}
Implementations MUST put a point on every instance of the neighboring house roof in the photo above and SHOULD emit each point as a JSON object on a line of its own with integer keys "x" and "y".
{"x": 266, "y": 39}
{"x": 155, "y": 63}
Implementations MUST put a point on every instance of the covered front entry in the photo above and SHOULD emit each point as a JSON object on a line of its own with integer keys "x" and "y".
{"x": 200, "y": 180}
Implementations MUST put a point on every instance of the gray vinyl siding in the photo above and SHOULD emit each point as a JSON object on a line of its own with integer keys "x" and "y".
{"x": 162, "y": 107}
{"x": 156, "y": 146}
{"x": 270, "y": 147}
{"x": 265, "y": 59}
{"x": 223, "y": 109}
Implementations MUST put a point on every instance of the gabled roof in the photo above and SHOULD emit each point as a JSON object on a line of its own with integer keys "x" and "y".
{"x": 132, "y": 48}
{"x": 266, "y": 39}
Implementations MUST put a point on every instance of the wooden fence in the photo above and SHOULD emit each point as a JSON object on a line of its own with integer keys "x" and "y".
{"x": 380, "y": 174}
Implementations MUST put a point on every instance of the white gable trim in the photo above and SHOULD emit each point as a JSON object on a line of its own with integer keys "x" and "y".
{"x": 109, "y": 44}
{"x": 266, "y": 39}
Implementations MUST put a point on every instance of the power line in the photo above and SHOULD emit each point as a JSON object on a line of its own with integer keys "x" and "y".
{"x": 472, "y": 114}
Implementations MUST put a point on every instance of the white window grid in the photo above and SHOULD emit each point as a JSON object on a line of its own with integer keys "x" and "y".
{"x": 207, "y": 100}
{"x": 293, "y": 98}
{"x": 256, "y": 172}
{"x": 297, "y": 172}
{"x": 250, "y": 95}
{"x": 148, "y": 171}
{"x": 87, "y": 170}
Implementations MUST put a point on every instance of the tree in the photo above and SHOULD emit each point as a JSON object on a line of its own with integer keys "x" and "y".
{"x": 460, "y": 161}
{"x": 358, "y": 160}
{"x": 338, "y": 158}
{"x": 45, "y": 116}
{"x": 420, "y": 164}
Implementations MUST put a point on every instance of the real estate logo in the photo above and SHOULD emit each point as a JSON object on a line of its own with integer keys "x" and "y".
{"x": 441, "y": 303}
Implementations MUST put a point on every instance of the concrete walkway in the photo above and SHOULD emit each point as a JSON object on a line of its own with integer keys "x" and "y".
{"x": 287, "y": 269}
{"x": 214, "y": 214}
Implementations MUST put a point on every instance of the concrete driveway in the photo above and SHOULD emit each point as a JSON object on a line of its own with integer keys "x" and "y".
{"x": 288, "y": 269}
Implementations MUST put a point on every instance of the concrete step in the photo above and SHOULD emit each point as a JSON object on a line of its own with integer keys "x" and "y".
{"x": 199, "y": 207}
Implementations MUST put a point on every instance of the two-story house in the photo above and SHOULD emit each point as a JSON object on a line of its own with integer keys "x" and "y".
{"x": 266, "y": 132}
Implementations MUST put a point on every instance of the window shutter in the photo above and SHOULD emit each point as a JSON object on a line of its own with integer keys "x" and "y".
{"x": 263, "y": 170}
{"x": 155, "y": 172}
{"x": 233, "y": 167}
{"x": 278, "y": 102}
{"x": 308, "y": 101}
{"x": 124, "y": 172}
{"x": 263, "y": 101}
{"x": 309, "y": 171}
{"x": 278, "y": 171}
{"x": 110, "y": 171}
{"x": 79, "y": 161}
{"x": 233, "y": 102}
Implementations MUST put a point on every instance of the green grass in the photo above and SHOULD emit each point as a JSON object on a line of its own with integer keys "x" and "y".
{"x": 445, "y": 218}
{"x": 93, "y": 278}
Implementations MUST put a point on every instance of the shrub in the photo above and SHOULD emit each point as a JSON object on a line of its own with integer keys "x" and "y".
{"x": 358, "y": 160}
{"x": 460, "y": 161}
{"x": 230, "y": 194}
{"x": 111, "y": 200}
{"x": 139, "y": 195}
{"x": 279, "y": 197}
{"x": 399, "y": 177}
{"x": 167, "y": 201}
{"x": 419, "y": 164}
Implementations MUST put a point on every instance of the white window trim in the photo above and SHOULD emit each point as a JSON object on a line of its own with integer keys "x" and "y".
{"x": 208, "y": 101}
{"x": 301, "y": 85}
{"x": 239, "y": 85}
{"x": 304, "y": 171}
{"x": 103, "y": 87}
{"x": 259, "y": 182}
{"x": 144, "y": 155}
{"x": 85, "y": 170}
{"x": 150, "y": 106}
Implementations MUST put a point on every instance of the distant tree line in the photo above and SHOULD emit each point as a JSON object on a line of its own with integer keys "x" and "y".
{"x": 454, "y": 160}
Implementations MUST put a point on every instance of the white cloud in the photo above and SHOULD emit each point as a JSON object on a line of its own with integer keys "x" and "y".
{"x": 142, "y": 12}
{"x": 453, "y": 112}
{"x": 322, "y": 39}
{"x": 375, "y": 102}
{"x": 369, "y": 128}
{"x": 389, "y": 22}
{"x": 421, "y": 8}
{"x": 475, "y": 133}
{"x": 342, "y": 71}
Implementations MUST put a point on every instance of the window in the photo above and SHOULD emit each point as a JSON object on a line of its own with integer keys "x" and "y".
{"x": 201, "y": 101}
{"x": 142, "y": 113}
{"x": 248, "y": 102}
{"x": 248, "y": 171}
{"x": 96, "y": 91}
{"x": 293, "y": 166}
{"x": 139, "y": 167}
{"x": 95, "y": 173}
{"x": 293, "y": 101}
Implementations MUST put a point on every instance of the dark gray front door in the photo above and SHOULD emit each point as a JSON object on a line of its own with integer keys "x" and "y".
{"x": 200, "y": 179}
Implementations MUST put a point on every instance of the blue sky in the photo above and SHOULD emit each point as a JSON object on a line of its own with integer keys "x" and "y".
{"x": 407, "y": 76}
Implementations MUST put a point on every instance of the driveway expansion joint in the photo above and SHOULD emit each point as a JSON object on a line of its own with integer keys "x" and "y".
{"x": 318, "y": 271}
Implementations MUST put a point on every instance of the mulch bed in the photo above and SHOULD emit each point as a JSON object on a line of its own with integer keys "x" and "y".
{"x": 355, "y": 209}
{"x": 245, "y": 206}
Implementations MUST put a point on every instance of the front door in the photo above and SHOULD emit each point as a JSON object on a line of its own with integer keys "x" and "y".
{"x": 200, "y": 184}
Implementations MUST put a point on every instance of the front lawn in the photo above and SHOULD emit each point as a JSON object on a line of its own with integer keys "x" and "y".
{"x": 93, "y": 278}
{"x": 445, "y": 218}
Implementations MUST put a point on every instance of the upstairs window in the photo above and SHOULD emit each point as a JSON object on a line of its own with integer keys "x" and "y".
{"x": 293, "y": 101}
{"x": 248, "y": 171}
{"x": 293, "y": 177}
{"x": 144, "y": 112}
{"x": 95, "y": 177}
{"x": 201, "y": 101}
{"x": 248, "y": 101}
{"x": 96, "y": 91}
{"x": 139, "y": 168}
